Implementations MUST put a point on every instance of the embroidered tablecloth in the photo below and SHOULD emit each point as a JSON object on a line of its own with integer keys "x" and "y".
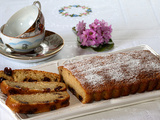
{"x": 134, "y": 23}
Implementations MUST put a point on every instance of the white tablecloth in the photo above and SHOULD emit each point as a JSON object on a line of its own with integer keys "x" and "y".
{"x": 134, "y": 23}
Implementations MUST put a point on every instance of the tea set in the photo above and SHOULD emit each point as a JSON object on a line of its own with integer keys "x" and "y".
{"x": 25, "y": 32}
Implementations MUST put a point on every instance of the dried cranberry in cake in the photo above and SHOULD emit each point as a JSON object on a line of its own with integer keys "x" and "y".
{"x": 80, "y": 98}
{"x": 53, "y": 107}
{"x": 60, "y": 97}
{"x": 58, "y": 88}
{"x": 31, "y": 111}
{"x": 13, "y": 91}
{"x": 8, "y": 71}
{"x": 25, "y": 80}
{"x": 56, "y": 101}
{"x": 47, "y": 90}
{"x": 17, "y": 86}
{"x": 65, "y": 102}
{"x": 46, "y": 79}
{"x": 1, "y": 79}
{"x": 31, "y": 80}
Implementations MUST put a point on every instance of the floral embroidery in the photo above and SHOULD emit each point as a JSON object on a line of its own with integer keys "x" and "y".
{"x": 86, "y": 10}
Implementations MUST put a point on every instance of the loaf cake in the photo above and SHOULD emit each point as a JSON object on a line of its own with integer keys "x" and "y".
{"x": 28, "y": 75}
{"x": 111, "y": 75}
{"x": 37, "y": 103}
{"x": 13, "y": 87}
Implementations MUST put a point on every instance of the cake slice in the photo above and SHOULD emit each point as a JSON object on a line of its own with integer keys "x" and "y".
{"x": 28, "y": 75}
{"x": 37, "y": 103}
{"x": 111, "y": 75}
{"x": 13, "y": 87}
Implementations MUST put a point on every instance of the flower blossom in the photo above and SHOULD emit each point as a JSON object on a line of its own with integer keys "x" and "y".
{"x": 88, "y": 37}
{"x": 81, "y": 26}
{"x": 99, "y": 33}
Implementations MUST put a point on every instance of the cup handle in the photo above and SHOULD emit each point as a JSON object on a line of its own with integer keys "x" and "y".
{"x": 37, "y": 2}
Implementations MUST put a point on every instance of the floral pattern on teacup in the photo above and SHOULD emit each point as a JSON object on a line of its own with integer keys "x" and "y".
{"x": 36, "y": 29}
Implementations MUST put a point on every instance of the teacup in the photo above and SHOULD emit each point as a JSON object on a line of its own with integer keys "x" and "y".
{"x": 35, "y": 29}
{"x": 27, "y": 22}
{"x": 23, "y": 45}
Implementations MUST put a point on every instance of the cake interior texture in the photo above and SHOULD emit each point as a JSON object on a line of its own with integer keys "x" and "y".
{"x": 37, "y": 103}
{"x": 40, "y": 97}
{"x": 111, "y": 75}
{"x": 28, "y": 75}
{"x": 33, "y": 75}
{"x": 35, "y": 85}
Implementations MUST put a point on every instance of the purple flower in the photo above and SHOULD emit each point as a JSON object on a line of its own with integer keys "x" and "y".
{"x": 104, "y": 30}
{"x": 98, "y": 34}
{"x": 93, "y": 26}
{"x": 88, "y": 37}
{"x": 96, "y": 21}
{"x": 99, "y": 40}
{"x": 81, "y": 27}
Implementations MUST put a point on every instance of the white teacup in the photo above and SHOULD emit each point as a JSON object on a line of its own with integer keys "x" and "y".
{"x": 24, "y": 21}
{"x": 22, "y": 45}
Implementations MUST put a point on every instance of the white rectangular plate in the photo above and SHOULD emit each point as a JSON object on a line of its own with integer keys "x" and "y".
{"x": 76, "y": 108}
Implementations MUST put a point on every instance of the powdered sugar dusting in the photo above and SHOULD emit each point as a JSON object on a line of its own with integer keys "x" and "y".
{"x": 93, "y": 78}
{"x": 121, "y": 66}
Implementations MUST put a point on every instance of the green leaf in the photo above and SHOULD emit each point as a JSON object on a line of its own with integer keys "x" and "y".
{"x": 74, "y": 30}
{"x": 79, "y": 43}
{"x": 104, "y": 47}
{"x": 78, "y": 39}
{"x": 83, "y": 47}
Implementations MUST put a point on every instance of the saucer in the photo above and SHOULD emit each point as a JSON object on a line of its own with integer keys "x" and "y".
{"x": 51, "y": 45}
